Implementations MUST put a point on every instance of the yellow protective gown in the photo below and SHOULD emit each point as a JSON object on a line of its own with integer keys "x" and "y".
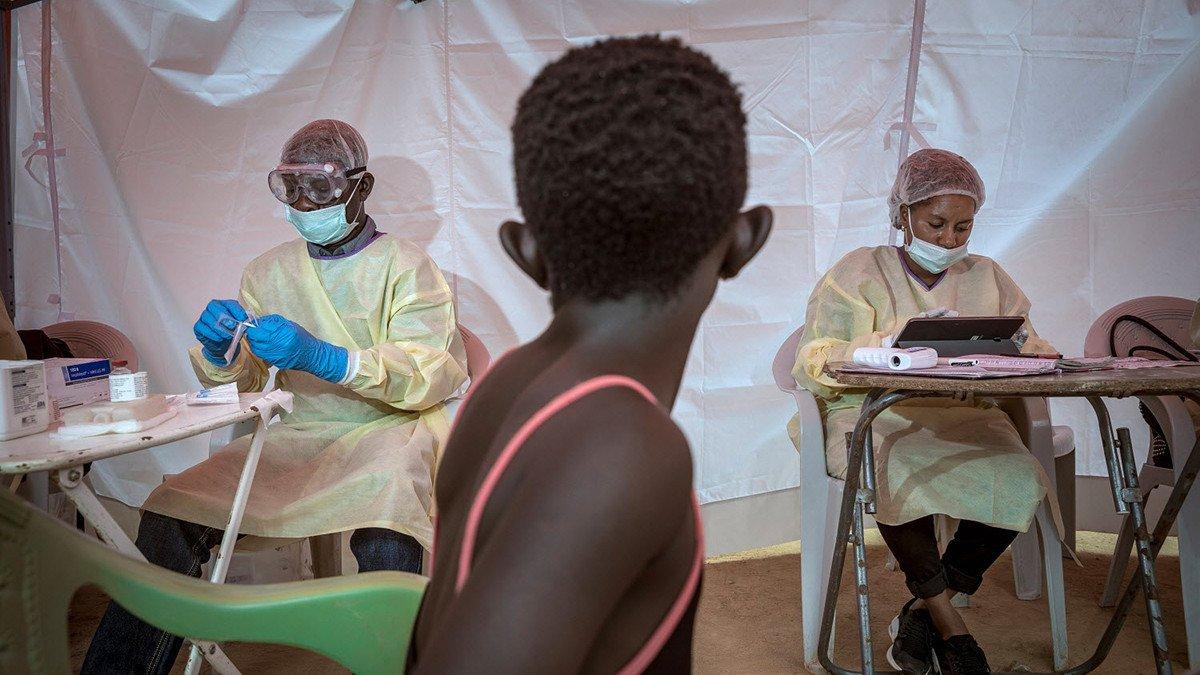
{"x": 11, "y": 347}
{"x": 360, "y": 455}
{"x": 932, "y": 455}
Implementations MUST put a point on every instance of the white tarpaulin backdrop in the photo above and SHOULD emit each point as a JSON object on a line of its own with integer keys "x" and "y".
{"x": 1080, "y": 115}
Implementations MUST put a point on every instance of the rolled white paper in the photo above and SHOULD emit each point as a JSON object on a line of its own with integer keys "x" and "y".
{"x": 913, "y": 358}
{"x": 890, "y": 358}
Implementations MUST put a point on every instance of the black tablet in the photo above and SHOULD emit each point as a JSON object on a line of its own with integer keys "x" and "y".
{"x": 963, "y": 335}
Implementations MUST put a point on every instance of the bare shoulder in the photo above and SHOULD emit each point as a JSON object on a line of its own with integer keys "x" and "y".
{"x": 632, "y": 430}
{"x": 614, "y": 452}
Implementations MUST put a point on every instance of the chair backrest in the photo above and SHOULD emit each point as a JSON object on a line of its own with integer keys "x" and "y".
{"x": 1170, "y": 315}
{"x": 92, "y": 339}
{"x": 478, "y": 357}
{"x": 785, "y": 360}
{"x": 363, "y": 622}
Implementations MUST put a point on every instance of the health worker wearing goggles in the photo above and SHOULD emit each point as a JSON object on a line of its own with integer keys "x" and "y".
{"x": 362, "y": 328}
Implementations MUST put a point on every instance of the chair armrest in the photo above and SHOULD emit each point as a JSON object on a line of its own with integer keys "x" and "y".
{"x": 363, "y": 621}
{"x": 812, "y": 433}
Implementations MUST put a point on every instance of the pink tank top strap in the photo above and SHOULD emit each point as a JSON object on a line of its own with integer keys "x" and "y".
{"x": 556, "y": 405}
{"x": 678, "y": 608}
{"x": 645, "y": 656}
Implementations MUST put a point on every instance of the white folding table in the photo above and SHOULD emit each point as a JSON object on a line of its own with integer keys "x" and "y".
{"x": 42, "y": 454}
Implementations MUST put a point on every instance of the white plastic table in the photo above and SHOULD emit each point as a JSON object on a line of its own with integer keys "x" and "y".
{"x": 44, "y": 453}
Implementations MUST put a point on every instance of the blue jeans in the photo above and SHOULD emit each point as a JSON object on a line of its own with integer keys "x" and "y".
{"x": 124, "y": 643}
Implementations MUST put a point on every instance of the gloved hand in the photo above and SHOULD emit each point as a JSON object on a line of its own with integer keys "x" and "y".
{"x": 286, "y": 345}
{"x": 935, "y": 313}
{"x": 940, "y": 312}
{"x": 214, "y": 329}
{"x": 1021, "y": 337}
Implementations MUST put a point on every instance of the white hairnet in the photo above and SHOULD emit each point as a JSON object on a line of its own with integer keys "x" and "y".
{"x": 325, "y": 141}
{"x": 929, "y": 173}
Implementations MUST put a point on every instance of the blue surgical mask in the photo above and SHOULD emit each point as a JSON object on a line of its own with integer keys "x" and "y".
{"x": 323, "y": 226}
{"x": 931, "y": 257}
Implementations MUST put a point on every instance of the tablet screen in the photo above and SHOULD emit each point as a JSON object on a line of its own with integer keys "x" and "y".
{"x": 960, "y": 328}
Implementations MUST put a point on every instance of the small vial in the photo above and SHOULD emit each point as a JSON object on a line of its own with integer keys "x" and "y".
{"x": 126, "y": 385}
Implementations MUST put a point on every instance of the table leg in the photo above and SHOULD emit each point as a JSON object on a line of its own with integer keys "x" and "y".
{"x": 39, "y": 489}
{"x": 853, "y": 501}
{"x": 1146, "y": 557}
{"x": 229, "y": 539}
{"x": 1116, "y": 475}
{"x": 70, "y": 481}
{"x": 864, "y": 602}
{"x": 1183, "y": 485}
{"x": 863, "y": 501}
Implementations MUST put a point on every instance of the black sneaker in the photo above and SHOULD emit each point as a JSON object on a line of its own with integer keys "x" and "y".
{"x": 912, "y": 640}
{"x": 960, "y": 655}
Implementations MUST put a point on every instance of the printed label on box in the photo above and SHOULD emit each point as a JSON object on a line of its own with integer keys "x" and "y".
{"x": 85, "y": 372}
{"x": 28, "y": 394}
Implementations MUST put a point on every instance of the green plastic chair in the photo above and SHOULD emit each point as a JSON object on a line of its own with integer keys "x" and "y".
{"x": 363, "y": 622}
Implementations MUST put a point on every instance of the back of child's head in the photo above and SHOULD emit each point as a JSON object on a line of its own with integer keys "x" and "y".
{"x": 630, "y": 162}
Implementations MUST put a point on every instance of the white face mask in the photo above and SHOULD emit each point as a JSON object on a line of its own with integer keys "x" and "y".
{"x": 323, "y": 226}
{"x": 931, "y": 257}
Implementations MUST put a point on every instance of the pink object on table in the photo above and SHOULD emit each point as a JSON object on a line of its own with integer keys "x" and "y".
{"x": 96, "y": 340}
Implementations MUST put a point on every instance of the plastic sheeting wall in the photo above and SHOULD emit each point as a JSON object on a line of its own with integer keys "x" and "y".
{"x": 1079, "y": 114}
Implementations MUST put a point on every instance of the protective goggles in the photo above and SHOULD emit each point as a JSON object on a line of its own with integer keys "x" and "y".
{"x": 319, "y": 183}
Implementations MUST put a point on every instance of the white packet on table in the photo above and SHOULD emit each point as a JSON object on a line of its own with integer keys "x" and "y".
{"x": 121, "y": 417}
{"x": 221, "y": 395}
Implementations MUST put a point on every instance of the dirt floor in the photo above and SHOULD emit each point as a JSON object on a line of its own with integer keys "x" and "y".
{"x": 749, "y": 617}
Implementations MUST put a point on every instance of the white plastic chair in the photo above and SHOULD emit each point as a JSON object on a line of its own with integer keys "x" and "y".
{"x": 821, "y": 496}
{"x": 1172, "y": 316}
{"x": 478, "y": 356}
{"x": 1064, "y": 482}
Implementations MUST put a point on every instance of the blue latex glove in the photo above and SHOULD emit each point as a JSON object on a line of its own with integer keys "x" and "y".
{"x": 214, "y": 329}
{"x": 286, "y": 345}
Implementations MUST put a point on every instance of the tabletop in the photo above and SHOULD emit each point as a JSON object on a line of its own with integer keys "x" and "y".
{"x": 1106, "y": 383}
{"x": 46, "y": 451}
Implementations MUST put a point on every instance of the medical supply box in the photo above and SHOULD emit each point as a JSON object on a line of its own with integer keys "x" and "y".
{"x": 73, "y": 382}
{"x": 25, "y": 408}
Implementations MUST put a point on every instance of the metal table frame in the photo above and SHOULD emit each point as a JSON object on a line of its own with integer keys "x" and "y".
{"x": 69, "y": 476}
{"x": 859, "y": 496}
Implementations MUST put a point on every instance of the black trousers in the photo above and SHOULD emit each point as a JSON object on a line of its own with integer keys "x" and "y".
{"x": 926, "y": 573}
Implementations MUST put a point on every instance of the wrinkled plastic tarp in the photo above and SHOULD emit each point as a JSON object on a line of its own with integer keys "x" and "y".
{"x": 1079, "y": 115}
